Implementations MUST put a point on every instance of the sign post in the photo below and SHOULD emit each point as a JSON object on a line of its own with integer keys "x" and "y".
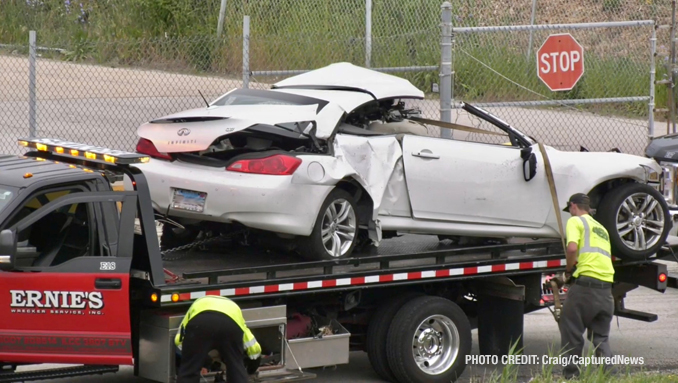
{"x": 560, "y": 62}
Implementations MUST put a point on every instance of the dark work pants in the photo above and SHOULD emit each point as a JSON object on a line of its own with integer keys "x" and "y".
{"x": 207, "y": 331}
{"x": 586, "y": 309}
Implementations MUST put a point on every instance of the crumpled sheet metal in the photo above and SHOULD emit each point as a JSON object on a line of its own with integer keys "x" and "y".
{"x": 371, "y": 161}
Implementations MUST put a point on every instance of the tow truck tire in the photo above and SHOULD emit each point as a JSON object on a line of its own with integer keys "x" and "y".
{"x": 428, "y": 341}
{"x": 340, "y": 224}
{"x": 377, "y": 333}
{"x": 614, "y": 214}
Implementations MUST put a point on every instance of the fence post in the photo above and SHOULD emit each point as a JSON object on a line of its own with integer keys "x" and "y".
{"x": 368, "y": 33}
{"x": 246, "y": 52}
{"x": 653, "y": 52}
{"x": 534, "y": 11}
{"x": 222, "y": 16}
{"x": 446, "y": 81}
{"x": 32, "y": 57}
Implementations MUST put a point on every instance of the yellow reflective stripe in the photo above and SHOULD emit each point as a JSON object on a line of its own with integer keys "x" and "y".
{"x": 587, "y": 241}
{"x": 255, "y": 356}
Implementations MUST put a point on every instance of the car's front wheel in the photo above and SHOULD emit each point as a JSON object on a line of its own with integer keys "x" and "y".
{"x": 335, "y": 233}
{"x": 637, "y": 219}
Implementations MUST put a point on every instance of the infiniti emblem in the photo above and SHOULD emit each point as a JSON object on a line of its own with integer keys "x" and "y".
{"x": 183, "y": 132}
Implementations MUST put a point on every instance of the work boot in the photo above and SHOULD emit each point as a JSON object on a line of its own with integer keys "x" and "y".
{"x": 571, "y": 372}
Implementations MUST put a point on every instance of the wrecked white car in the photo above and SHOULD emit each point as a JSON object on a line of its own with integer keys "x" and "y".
{"x": 332, "y": 158}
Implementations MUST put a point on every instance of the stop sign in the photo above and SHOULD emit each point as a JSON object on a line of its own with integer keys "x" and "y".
{"x": 560, "y": 62}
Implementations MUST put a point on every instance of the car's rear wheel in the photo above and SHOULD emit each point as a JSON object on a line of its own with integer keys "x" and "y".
{"x": 335, "y": 233}
{"x": 637, "y": 219}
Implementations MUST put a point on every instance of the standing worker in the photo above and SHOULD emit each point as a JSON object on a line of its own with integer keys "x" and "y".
{"x": 589, "y": 304}
{"x": 216, "y": 323}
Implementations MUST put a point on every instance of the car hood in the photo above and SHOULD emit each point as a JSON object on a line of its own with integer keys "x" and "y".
{"x": 196, "y": 129}
{"x": 351, "y": 77}
{"x": 588, "y": 169}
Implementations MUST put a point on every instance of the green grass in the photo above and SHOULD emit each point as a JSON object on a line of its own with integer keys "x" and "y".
{"x": 180, "y": 36}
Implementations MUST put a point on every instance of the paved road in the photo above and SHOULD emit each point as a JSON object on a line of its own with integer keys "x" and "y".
{"x": 104, "y": 106}
{"x": 655, "y": 342}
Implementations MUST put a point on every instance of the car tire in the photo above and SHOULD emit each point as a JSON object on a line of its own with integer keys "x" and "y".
{"x": 173, "y": 236}
{"x": 633, "y": 206}
{"x": 377, "y": 333}
{"x": 443, "y": 327}
{"x": 329, "y": 222}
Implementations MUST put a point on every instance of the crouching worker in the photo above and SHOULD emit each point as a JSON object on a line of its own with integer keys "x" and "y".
{"x": 216, "y": 323}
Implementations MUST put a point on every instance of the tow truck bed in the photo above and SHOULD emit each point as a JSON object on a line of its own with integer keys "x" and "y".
{"x": 253, "y": 272}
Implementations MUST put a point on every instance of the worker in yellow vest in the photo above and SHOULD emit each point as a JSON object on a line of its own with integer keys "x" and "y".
{"x": 216, "y": 323}
{"x": 589, "y": 305}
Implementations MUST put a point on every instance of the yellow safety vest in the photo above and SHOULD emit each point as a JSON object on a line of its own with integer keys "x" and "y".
{"x": 594, "y": 257}
{"x": 225, "y": 306}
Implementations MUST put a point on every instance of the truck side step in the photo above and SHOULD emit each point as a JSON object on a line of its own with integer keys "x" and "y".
{"x": 635, "y": 315}
{"x": 55, "y": 373}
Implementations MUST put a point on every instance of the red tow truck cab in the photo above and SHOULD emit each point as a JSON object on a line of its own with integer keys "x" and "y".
{"x": 82, "y": 286}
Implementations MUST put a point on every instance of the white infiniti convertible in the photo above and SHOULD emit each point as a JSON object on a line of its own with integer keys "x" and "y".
{"x": 332, "y": 157}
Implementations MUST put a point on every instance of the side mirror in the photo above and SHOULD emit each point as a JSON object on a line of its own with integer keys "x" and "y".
{"x": 530, "y": 167}
{"x": 7, "y": 249}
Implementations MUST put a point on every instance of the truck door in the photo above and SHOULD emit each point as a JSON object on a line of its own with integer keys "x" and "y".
{"x": 66, "y": 297}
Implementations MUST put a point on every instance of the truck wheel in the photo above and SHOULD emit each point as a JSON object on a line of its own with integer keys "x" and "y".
{"x": 335, "y": 233}
{"x": 377, "y": 333}
{"x": 173, "y": 236}
{"x": 428, "y": 341}
{"x": 636, "y": 217}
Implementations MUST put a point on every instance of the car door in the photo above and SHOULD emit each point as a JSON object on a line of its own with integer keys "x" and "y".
{"x": 452, "y": 180}
{"x": 66, "y": 296}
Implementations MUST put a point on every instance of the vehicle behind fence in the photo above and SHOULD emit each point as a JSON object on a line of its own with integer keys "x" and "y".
{"x": 98, "y": 79}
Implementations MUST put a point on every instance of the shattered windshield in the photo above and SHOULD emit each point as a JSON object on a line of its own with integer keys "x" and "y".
{"x": 6, "y": 195}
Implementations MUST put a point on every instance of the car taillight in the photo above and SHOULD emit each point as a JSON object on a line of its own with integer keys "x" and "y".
{"x": 145, "y": 146}
{"x": 279, "y": 164}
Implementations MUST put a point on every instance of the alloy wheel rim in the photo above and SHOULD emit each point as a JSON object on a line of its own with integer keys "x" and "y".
{"x": 338, "y": 228}
{"x": 435, "y": 345}
{"x": 640, "y": 221}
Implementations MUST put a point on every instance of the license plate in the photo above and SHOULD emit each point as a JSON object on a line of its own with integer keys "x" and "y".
{"x": 188, "y": 200}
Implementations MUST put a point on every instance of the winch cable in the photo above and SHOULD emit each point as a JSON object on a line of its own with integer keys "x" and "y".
{"x": 556, "y": 208}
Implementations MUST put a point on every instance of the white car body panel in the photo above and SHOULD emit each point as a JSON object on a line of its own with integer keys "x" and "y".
{"x": 474, "y": 183}
{"x": 266, "y": 202}
{"x": 165, "y": 135}
{"x": 381, "y": 85}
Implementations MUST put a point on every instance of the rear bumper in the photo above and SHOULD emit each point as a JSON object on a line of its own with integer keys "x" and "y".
{"x": 265, "y": 202}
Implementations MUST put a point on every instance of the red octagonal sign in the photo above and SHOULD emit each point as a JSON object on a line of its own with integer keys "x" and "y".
{"x": 560, "y": 62}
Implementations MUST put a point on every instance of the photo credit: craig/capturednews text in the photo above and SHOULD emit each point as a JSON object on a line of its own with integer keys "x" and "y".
{"x": 553, "y": 360}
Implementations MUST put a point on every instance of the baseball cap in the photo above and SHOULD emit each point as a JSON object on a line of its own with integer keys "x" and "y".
{"x": 578, "y": 198}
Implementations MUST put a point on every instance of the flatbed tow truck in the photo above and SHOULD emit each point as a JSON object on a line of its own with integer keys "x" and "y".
{"x": 82, "y": 287}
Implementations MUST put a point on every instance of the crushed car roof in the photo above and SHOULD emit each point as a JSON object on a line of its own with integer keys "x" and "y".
{"x": 348, "y": 76}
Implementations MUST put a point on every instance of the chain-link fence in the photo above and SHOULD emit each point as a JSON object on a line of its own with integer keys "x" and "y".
{"x": 607, "y": 108}
{"x": 105, "y": 67}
